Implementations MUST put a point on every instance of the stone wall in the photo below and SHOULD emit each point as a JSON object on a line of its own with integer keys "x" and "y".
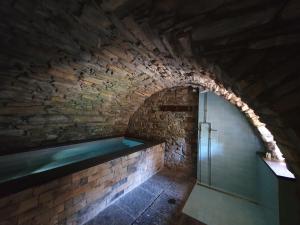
{"x": 171, "y": 116}
{"x": 78, "y": 69}
{"x": 76, "y": 198}
{"x": 70, "y": 70}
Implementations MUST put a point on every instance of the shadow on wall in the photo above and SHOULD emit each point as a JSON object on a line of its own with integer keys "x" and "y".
{"x": 96, "y": 71}
{"x": 171, "y": 116}
{"x": 58, "y": 82}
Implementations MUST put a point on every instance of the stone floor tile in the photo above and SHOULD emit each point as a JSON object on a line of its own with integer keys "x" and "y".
{"x": 112, "y": 215}
{"x": 158, "y": 201}
{"x": 151, "y": 187}
{"x": 136, "y": 202}
{"x": 152, "y": 217}
{"x": 161, "y": 181}
{"x": 167, "y": 205}
{"x": 180, "y": 189}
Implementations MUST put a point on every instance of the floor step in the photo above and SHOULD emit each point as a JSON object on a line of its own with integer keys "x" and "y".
{"x": 187, "y": 220}
{"x": 218, "y": 208}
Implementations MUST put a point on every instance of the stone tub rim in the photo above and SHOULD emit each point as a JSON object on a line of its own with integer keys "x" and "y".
{"x": 19, "y": 184}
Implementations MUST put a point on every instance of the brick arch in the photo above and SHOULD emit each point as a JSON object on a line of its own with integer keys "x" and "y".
{"x": 231, "y": 97}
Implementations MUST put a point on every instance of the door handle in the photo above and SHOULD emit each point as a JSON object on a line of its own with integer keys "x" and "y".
{"x": 209, "y": 123}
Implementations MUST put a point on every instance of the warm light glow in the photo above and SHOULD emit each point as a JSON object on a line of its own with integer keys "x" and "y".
{"x": 268, "y": 137}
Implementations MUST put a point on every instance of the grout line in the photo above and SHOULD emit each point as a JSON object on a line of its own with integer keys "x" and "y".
{"x": 124, "y": 210}
{"x": 170, "y": 192}
{"x": 147, "y": 207}
{"x": 149, "y": 192}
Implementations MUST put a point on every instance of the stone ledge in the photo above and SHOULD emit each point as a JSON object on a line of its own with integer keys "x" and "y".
{"x": 21, "y": 183}
{"x": 278, "y": 168}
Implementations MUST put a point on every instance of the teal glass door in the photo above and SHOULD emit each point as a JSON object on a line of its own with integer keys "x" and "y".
{"x": 227, "y": 146}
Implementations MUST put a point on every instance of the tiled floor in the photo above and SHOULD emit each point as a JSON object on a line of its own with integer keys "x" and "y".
{"x": 217, "y": 208}
{"x": 158, "y": 201}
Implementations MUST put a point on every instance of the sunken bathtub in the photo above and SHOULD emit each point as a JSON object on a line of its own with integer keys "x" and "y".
{"x": 71, "y": 184}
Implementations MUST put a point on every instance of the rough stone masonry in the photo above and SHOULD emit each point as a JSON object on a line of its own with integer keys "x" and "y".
{"x": 77, "y": 198}
{"x": 78, "y": 69}
{"x": 171, "y": 116}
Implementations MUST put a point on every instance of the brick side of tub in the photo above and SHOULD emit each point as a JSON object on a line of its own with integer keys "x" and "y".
{"x": 77, "y": 198}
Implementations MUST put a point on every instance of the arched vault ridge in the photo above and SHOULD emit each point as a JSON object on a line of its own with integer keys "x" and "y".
{"x": 208, "y": 84}
{"x": 152, "y": 56}
{"x": 99, "y": 68}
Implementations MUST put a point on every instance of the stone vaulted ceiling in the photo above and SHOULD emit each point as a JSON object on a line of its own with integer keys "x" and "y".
{"x": 78, "y": 69}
